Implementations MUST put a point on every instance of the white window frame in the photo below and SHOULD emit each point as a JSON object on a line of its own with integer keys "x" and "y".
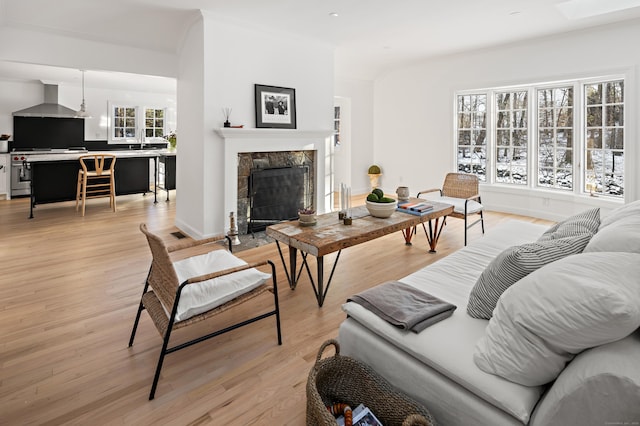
{"x": 140, "y": 124}
{"x": 579, "y": 187}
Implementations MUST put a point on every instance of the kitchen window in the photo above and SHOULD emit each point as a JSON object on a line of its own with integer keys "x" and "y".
{"x": 124, "y": 122}
{"x": 565, "y": 137}
{"x": 128, "y": 125}
{"x": 154, "y": 122}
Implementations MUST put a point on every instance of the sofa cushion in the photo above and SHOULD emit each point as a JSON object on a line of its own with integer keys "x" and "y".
{"x": 586, "y": 222}
{"x": 514, "y": 264}
{"x": 563, "y": 308}
{"x": 451, "y": 279}
{"x": 630, "y": 209}
{"x": 620, "y": 235}
{"x": 201, "y": 297}
{"x": 599, "y": 385}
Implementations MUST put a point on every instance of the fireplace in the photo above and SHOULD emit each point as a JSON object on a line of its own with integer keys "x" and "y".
{"x": 245, "y": 149}
{"x": 273, "y": 186}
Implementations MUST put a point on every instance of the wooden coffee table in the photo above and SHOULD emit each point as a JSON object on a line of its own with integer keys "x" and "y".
{"x": 330, "y": 235}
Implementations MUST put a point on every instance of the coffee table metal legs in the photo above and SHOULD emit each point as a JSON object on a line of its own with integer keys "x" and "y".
{"x": 433, "y": 235}
{"x": 320, "y": 290}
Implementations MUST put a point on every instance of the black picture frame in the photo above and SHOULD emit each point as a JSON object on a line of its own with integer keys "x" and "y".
{"x": 275, "y": 107}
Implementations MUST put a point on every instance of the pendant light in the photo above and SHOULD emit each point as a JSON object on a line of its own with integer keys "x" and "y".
{"x": 82, "y": 113}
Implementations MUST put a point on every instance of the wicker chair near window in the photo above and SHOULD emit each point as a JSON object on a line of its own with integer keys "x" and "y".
{"x": 461, "y": 190}
{"x": 170, "y": 283}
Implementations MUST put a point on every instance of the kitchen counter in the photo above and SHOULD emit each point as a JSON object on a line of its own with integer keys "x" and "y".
{"x": 54, "y": 174}
{"x": 74, "y": 155}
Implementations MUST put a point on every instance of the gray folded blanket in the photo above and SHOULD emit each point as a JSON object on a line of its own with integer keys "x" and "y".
{"x": 404, "y": 306}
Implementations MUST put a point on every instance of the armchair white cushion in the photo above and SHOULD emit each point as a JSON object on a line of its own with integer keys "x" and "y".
{"x": 201, "y": 297}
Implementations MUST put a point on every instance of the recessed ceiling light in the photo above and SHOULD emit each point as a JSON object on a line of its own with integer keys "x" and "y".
{"x": 514, "y": 13}
{"x": 334, "y": 14}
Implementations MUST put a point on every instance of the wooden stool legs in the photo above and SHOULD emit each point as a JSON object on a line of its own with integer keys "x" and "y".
{"x": 93, "y": 183}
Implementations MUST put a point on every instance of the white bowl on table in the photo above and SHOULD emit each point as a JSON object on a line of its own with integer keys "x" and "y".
{"x": 381, "y": 209}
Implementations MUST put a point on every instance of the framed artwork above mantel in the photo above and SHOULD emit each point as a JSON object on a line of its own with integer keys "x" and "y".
{"x": 275, "y": 107}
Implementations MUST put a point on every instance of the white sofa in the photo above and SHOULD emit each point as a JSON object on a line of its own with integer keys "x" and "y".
{"x": 600, "y": 386}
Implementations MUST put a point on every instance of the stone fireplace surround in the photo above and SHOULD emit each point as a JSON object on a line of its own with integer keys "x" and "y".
{"x": 237, "y": 141}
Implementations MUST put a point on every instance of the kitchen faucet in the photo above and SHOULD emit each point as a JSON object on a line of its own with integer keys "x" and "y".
{"x": 142, "y": 140}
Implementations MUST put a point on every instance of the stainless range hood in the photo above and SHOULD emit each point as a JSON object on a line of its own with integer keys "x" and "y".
{"x": 50, "y": 108}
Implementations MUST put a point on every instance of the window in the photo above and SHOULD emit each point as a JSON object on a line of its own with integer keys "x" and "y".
{"x": 472, "y": 134}
{"x": 154, "y": 123}
{"x": 566, "y": 137}
{"x": 129, "y": 124}
{"x": 604, "y": 130}
{"x": 512, "y": 137}
{"x": 124, "y": 122}
{"x": 555, "y": 138}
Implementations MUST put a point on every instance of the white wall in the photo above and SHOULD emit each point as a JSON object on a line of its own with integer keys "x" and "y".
{"x": 360, "y": 94}
{"x": 234, "y": 59}
{"x": 20, "y": 45}
{"x": 413, "y": 110}
{"x": 19, "y": 95}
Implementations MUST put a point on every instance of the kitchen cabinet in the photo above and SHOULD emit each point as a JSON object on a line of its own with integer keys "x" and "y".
{"x": 167, "y": 172}
{"x": 5, "y": 176}
{"x": 54, "y": 181}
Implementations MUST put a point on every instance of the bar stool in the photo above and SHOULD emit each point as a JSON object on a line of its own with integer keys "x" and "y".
{"x": 96, "y": 179}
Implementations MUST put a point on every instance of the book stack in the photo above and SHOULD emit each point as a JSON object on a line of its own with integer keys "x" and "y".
{"x": 418, "y": 208}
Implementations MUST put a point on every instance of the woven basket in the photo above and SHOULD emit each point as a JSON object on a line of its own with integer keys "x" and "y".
{"x": 343, "y": 379}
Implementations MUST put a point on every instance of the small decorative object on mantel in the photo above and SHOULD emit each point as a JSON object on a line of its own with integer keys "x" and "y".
{"x": 307, "y": 217}
{"x": 374, "y": 173}
{"x": 227, "y": 113}
{"x": 275, "y": 107}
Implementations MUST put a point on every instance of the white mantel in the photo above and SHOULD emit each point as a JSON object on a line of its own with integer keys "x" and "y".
{"x": 273, "y": 140}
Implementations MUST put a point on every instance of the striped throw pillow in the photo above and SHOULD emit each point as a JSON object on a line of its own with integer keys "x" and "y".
{"x": 514, "y": 264}
{"x": 586, "y": 222}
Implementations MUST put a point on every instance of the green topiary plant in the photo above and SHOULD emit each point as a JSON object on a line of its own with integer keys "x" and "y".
{"x": 374, "y": 170}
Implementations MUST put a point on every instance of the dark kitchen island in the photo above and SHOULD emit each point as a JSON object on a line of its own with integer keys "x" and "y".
{"x": 54, "y": 177}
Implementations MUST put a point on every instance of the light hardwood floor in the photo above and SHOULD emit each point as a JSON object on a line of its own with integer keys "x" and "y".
{"x": 69, "y": 289}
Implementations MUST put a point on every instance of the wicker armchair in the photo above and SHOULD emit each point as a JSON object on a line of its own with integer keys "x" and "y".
{"x": 461, "y": 190}
{"x": 163, "y": 290}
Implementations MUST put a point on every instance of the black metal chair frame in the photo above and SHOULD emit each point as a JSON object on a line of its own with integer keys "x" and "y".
{"x": 165, "y": 344}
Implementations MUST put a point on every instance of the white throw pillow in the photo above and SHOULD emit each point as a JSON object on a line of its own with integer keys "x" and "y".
{"x": 620, "y": 235}
{"x": 515, "y": 263}
{"x": 631, "y": 209}
{"x": 206, "y": 295}
{"x": 586, "y": 222}
{"x": 548, "y": 317}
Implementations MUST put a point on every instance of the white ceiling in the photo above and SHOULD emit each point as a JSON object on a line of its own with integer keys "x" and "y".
{"x": 370, "y": 36}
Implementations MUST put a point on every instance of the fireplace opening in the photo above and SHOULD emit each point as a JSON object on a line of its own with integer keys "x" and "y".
{"x": 268, "y": 165}
{"x": 276, "y": 194}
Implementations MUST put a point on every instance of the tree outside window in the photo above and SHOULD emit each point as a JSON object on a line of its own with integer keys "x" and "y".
{"x": 555, "y": 144}
{"x": 604, "y": 130}
{"x": 472, "y": 134}
{"x": 511, "y": 137}
{"x": 555, "y": 138}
